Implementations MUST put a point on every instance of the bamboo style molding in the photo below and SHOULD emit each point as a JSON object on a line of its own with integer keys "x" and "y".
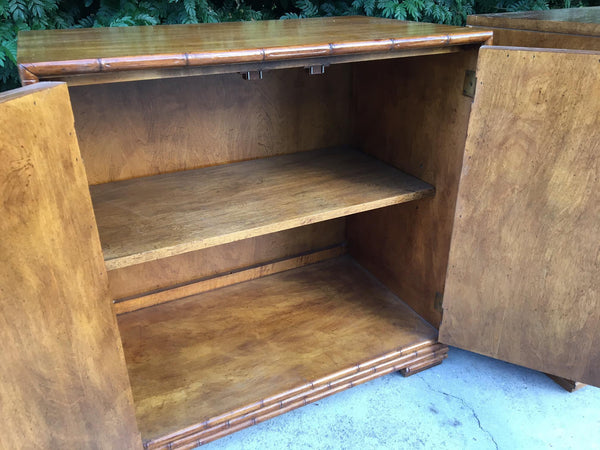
{"x": 64, "y": 53}
{"x": 408, "y": 361}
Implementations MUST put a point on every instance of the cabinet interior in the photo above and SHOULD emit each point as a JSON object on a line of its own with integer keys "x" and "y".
{"x": 272, "y": 241}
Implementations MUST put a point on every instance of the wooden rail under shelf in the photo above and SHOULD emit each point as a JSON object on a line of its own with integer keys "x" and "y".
{"x": 149, "y": 218}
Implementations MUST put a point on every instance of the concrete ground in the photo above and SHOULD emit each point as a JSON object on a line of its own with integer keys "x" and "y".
{"x": 468, "y": 402}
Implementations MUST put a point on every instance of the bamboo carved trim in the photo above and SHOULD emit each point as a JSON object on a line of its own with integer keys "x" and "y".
{"x": 49, "y": 69}
{"x": 424, "y": 354}
{"x": 192, "y": 71}
{"x": 423, "y": 363}
{"x": 26, "y": 76}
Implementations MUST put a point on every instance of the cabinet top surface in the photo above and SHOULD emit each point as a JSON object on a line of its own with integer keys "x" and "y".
{"x": 583, "y": 21}
{"x": 55, "y": 53}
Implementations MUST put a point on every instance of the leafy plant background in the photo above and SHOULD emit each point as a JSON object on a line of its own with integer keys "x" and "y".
{"x": 17, "y": 15}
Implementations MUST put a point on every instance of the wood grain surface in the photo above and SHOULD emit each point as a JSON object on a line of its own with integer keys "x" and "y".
{"x": 205, "y": 356}
{"x": 95, "y": 50}
{"x": 413, "y": 359}
{"x": 150, "y": 218}
{"x": 574, "y": 28}
{"x": 506, "y": 37}
{"x": 581, "y": 21}
{"x": 413, "y": 115}
{"x": 63, "y": 380}
{"x": 122, "y": 306}
{"x": 238, "y": 69}
{"x": 129, "y": 130}
{"x": 524, "y": 277}
{"x": 182, "y": 269}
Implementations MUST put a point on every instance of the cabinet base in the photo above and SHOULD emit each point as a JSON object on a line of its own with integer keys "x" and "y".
{"x": 408, "y": 362}
{"x": 421, "y": 364}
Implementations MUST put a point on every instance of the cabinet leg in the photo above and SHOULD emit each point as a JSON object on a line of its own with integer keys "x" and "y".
{"x": 425, "y": 363}
{"x": 567, "y": 384}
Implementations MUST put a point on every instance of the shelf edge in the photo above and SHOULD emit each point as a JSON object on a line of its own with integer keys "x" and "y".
{"x": 164, "y": 252}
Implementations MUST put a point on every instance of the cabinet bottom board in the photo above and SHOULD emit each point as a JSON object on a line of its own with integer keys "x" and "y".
{"x": 422, "y": 358}
{"x": 208, "y": 365}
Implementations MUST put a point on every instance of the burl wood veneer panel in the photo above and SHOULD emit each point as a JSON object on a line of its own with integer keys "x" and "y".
{"x": 63, "y": 381}
{"x": 524, "y": 277}
{"x": 129, "y": 130}
{"x": 155, "y": 217}
{"x": 412, "y": 114}
{"x": 198, "y": 358}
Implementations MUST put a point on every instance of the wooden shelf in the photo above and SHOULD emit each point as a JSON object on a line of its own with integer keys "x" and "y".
{"x": 149, "y": 218}
{"x": 238, "y": 355}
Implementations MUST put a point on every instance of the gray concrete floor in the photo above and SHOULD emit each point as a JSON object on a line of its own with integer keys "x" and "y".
{"x": 468, "y": 402}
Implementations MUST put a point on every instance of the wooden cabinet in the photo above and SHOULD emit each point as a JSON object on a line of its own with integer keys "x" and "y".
{"x": 285, "y": 209}
{"x": 573, "y": 28}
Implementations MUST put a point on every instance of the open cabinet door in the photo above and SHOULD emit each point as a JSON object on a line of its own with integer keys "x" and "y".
{"x": 63, "y": 380}
{"x": 523, "y": 282}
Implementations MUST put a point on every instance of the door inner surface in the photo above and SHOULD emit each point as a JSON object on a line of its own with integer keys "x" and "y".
{"x": 63, "y": 380}
{"x": 523, "y": 281}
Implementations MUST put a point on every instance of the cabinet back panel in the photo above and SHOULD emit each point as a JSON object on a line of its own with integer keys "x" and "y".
{"x": 412, "y": 114}
{"x": 135, "y": 129}
{"x": 212, "y": 261}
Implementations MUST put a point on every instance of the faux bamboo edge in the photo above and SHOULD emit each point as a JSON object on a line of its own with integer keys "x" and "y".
{"x": 426, "y": 354}
{"x": 242, "y": 68}
{"x": 34, "y": 71}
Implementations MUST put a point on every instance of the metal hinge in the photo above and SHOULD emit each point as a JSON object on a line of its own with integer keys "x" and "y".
{"x": 470, "y": 84}
{"x": 252, "y": 75}
{"x": 318, "y": 69}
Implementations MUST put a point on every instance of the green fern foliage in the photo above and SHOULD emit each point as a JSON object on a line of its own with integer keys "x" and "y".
{"x": 19, "y": 15}
{"x": 437, "y": 11}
